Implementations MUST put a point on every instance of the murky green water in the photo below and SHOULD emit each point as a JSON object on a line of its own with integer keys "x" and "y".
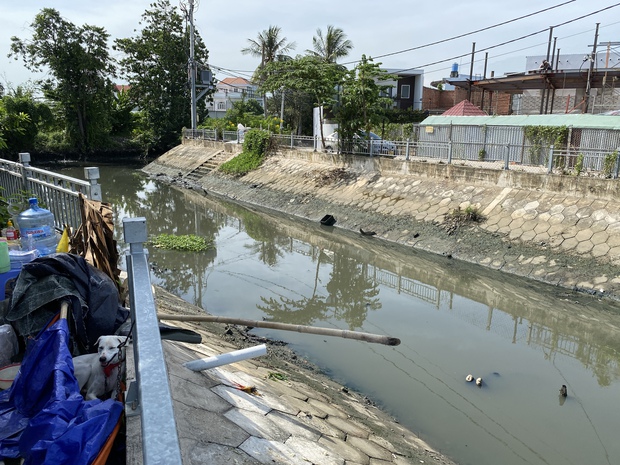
{"x": 524, "y": 339}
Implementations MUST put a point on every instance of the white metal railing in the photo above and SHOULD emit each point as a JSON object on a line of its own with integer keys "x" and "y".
{"x": 492, "y": 154}
{"x": 58, "y": 193}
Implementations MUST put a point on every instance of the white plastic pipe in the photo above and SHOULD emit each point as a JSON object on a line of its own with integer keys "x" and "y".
{"x": 225, "y": 359}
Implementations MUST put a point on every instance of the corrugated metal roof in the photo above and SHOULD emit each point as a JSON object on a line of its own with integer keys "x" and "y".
{"x": 577, "y": 121}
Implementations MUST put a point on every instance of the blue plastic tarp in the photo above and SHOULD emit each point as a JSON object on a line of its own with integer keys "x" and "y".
{"x": 43, "y": 417}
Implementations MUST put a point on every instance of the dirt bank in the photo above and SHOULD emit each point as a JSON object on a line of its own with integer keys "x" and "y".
{"x": 468, "y": 242}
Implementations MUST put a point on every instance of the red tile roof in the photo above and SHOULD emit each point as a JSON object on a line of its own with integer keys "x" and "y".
{"x": 464, "y": 108}
{"x": 236, "y": 81}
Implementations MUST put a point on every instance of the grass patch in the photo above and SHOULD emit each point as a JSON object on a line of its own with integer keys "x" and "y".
{"x": 187, "y": 243}
{"x": 457, "y": 218}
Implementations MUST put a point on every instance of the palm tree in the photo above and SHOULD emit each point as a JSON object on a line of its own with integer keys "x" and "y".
{"x": 269, "y": 46}
{"x": 332, "y": 46}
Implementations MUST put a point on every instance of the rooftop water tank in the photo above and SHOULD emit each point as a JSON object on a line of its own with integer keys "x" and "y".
{"x": 455, "y": 70}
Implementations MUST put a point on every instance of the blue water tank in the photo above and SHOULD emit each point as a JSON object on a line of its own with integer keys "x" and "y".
{"x": 455, "y": 70}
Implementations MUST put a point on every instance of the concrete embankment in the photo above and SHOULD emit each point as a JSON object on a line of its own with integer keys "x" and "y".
{"x": 562, "y": 230}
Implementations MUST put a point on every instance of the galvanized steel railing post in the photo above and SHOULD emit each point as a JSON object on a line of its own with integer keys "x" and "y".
{"x": 292, "y": 141}
{"x": 160, "y": 441}
{"x": 92, "y": 175}
{"x": 407, "y": 150}
{"x": 507, "y": 158}
{"x": 24, "y": 159}
{"x": 550, "y": 162}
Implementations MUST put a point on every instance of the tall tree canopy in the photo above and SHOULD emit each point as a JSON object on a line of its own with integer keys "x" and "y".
{"x": 362, "y": 103}
{"x": 331, "y": 46}
{"x": 156, "y": 67}
{"x": 269, "y": 47}
{"x": 307, "y": 74}
{"x": 80, "y": 67}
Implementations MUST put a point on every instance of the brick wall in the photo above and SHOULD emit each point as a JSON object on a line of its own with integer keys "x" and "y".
{"x": 436, "y": 101}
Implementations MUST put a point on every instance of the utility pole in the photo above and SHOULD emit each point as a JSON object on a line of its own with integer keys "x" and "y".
{"x": 192, "y": 64}
{"x": 193, "y": 70}
{"x": 591, "y": 69}
{"x": 471, "y": 70}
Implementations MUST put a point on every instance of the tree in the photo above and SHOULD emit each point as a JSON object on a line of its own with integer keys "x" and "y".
{"x": 307, "y": 74}
{"x": 362, "y": 103}
{"x": 80, "y": 68}
{"x": 270, "y": 47}
{"x": 155, "y": 65}
{"x": 21, "y": 131}
{"x": 332, "y": 46}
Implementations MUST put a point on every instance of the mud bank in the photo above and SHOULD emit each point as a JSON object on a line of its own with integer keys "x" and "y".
{"x": 568, "y": 239}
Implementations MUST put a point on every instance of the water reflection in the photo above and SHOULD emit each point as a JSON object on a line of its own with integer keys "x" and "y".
{"x": 525, "y": 340}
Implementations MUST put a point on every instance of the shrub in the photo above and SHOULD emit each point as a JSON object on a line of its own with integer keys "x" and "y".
{"x": 609, "y": 164}
{"x": 255, "y": 146}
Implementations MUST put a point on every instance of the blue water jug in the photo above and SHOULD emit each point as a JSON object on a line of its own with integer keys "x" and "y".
{"x": 39, "y": 223}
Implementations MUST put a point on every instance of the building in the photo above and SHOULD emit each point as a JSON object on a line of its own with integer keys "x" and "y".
{"x": 230, "y": 90}
{"x": 575, "y": 84}
{"x": 407, "y": 88}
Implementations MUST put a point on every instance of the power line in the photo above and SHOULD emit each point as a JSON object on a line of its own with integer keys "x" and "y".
{"x": 513, "y": 40}
{"x": 466, "y": 34}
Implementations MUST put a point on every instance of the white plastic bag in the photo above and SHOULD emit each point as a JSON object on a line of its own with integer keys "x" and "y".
{"x": 9, "y": 346}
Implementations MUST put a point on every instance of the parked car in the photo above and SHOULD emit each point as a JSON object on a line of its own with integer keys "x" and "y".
{"x": 363, "y": 142}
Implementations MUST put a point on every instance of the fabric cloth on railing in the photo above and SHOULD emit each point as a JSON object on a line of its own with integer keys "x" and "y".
{"x": 95, "y": 302}
{"x": 43, "y": 417}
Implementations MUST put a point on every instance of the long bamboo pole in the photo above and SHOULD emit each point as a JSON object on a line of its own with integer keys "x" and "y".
{"x": 367, "y": 337}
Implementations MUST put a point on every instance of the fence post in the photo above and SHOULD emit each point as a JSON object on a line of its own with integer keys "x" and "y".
{"x": 315, "y": 142}
{"x": 617, "y": 167}
{"x": 449, "y": 152}
{"x": 292, "y": 142}
{"x": 92, "y": 174}
{"x": 507, "y": 158}
{"x": 550, "y": 163}
{"x": 407, "y": 150}
{"x": 160, "y": 439}
{"x": 24, "y": 159}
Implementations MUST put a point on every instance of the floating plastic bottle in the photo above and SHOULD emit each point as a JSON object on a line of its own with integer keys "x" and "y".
{"x": 39, "y": 223}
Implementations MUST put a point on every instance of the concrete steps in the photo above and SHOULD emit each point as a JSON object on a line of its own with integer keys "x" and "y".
{"x": 207, "y": 166}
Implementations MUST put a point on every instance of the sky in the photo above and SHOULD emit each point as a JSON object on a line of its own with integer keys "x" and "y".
{"x": 376, "y": 28}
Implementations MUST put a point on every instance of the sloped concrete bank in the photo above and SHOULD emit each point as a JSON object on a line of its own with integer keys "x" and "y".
{"x": 560, "y": 230}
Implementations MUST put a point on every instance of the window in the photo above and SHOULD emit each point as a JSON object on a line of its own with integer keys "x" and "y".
{"x": 404, "y": 91}
{"x": 221, "y": 105}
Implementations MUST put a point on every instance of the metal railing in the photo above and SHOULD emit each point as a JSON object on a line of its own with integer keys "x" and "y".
{"x": 160, "y": 441}
{"x": 504, "y": 151}
{"x": 58, "y": 193}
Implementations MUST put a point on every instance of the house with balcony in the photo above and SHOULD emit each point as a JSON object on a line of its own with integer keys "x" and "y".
{"x": 230, "y": 90}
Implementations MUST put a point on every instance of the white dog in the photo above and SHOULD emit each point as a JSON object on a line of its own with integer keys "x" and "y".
{"x": 97, "y": 374}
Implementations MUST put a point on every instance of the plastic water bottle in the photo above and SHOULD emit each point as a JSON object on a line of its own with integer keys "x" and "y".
{"x": 5, "y": 260}
{"x": 39, "y": 223}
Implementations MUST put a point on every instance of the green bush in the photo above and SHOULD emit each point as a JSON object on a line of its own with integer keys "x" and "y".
{"x": 255, "y": 146}
{"x": 579, "y": 164}
{"x": 609, "y": 164}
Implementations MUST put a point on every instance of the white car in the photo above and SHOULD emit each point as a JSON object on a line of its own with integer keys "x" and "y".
{"x": 363, "y": 142}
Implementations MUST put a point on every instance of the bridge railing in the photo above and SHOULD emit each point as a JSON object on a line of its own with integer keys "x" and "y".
{"x": 160, "y": 441}
{"x": 58, "y": 193}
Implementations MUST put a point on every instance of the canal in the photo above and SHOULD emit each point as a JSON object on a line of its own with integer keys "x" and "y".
{"x": 524, "y": 339}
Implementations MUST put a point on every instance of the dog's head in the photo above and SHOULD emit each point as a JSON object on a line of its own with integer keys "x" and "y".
{"x": 111, "y": 349}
